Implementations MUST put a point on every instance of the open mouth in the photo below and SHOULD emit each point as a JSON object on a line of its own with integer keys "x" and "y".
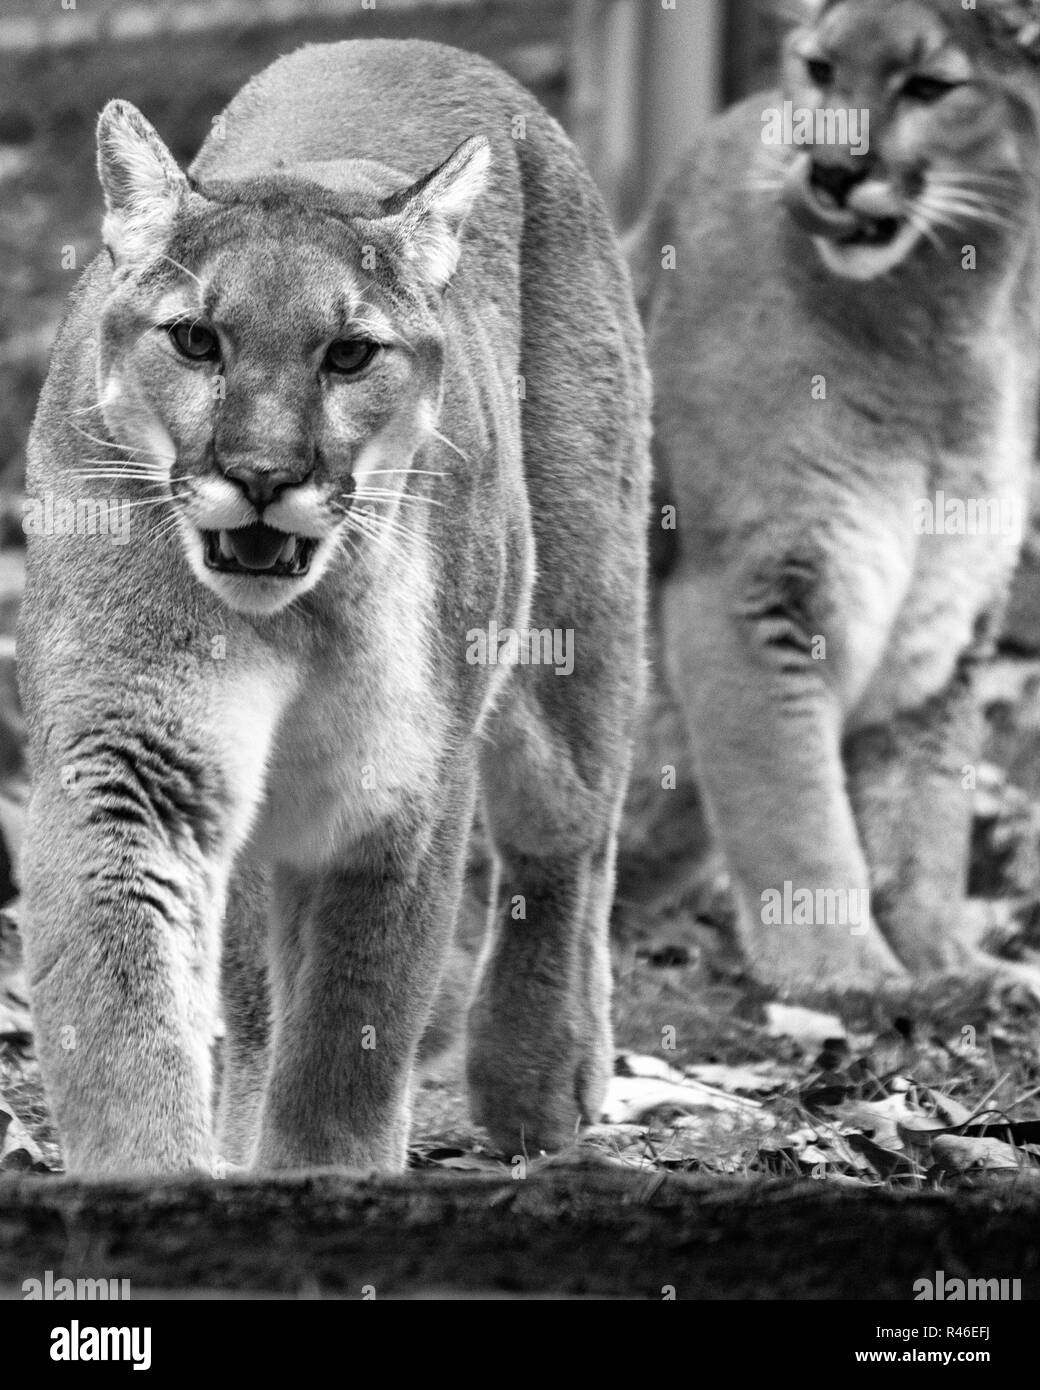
{"x": 873, "y": 231}
{"x": 871, "y": 216}
{"x": 258, "y": 549}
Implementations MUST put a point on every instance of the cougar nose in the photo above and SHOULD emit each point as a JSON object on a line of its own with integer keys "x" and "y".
{"x": 837, "y": 179}
{"x": 262, "y": 485}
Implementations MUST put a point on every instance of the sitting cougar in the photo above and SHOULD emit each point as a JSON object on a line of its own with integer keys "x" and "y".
{"x": 842, "y": 297}
{"x": 368, "y": 386}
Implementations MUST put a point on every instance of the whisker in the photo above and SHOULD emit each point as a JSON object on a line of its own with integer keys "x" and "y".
{"x": 145, "y": 332}
{"x": 130, "y": 463}
{"x": 348, "y": 544}
{"x": 969, "y": 198}
{"x": 164, "y": 257}
{"x": 960, "y": 216}
{"x": 926, "y": 229}
{"x": 164, "y": 325}
{"x": 377, "y": 495}
{"x": 359, "y": 524}
{"x": 954, "y": 212}
{"x": 128, "y": 466}
{"x": 350, "y": 521}
{"x": 960, "y": 176}
{"x": 376, "y": 525}
{"x": 166, "y": 529}
{"x": 142, "y": 502}
{"x": 445, "y": 440}
{"x": 367, "y": 319}
{"x": 110, "y": 477}
{"x": 124, "y": 501}
{"x": 939, "y": 219}
{"x": 365, "y": 525}
{"x": 105, "y": 443}
{"x": 974, "y": 195}
{"x": 394, "y": 523}
{"x": 419, "y": 472}
{"x": 972, "y": 213}
{"x": 121, "y": 469}
{"x": 968, "y": 195}
{"x": 393, "y": 527}
{"x": 357, "y": 527}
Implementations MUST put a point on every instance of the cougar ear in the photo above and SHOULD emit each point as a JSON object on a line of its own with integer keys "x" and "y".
{"x": 427, "y": 218}
{"x": 1027, "y": 36}
{"x": 1020, "y": 20}
{"x": 142, "y": 183}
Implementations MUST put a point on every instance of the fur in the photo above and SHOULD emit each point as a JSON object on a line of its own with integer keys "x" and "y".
{"x": 811, "y": 390}
{"x": 272, "y": 781}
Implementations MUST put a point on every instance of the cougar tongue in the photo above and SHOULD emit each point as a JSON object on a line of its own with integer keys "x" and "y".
{"x": 256, "y": 547}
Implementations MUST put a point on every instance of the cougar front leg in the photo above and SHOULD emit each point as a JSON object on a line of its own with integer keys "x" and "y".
{"x": 246, "y": 1007}
{"x": 911, "y": 789}
{"x": 766, "y": 730}
{"x": 356, "y": 958}
{"x": 125, "y": 871}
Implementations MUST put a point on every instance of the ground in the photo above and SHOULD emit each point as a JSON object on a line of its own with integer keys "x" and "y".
{"x": 938, "y": 1089}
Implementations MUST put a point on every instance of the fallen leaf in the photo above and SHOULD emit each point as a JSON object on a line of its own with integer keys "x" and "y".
{"x": 805, "y": 1026}
{"x": 633, "y": 1099}
{"x": 742, "y": 1080}
{"x": 953, "y": 1153}
{"x": 19, "y": 1151}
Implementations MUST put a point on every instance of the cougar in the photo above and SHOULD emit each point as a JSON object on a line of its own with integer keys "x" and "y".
{"x": 368, "y": 386}
{"x": 842, "y": 299}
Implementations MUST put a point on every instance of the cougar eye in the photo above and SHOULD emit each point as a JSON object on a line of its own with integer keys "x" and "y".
{"x": 927, "y": 89}
{"x": 348, "y": 356}
{"x": 194, "y": 341}
{"x": 821, "y": 73}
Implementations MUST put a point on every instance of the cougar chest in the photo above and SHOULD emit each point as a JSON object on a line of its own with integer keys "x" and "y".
{"x": 364, "y": 733}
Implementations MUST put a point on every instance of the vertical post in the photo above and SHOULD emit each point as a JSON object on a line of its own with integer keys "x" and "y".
{"x": 683, "y": 85}
{"x": 585, "y": 86}
{"x": 645, "y": 76}
{"x": 606, "y": 48}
